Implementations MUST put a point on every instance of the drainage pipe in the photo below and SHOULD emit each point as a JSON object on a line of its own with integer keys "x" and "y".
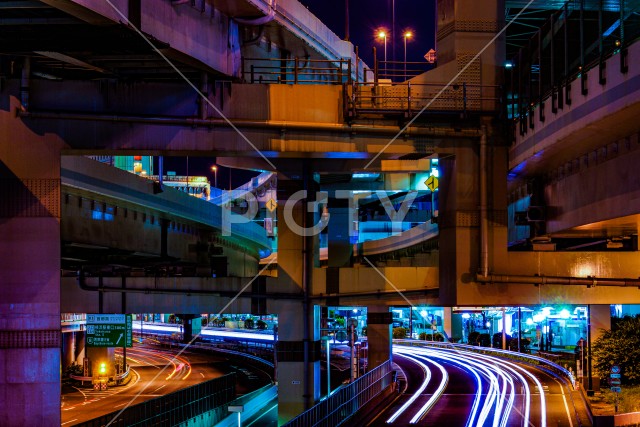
{"x": 82, "y": 283}
{"x": 589, "y": 281}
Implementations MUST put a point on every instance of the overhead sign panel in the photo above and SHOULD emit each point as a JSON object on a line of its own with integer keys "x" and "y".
{"x": 109, "y": 330}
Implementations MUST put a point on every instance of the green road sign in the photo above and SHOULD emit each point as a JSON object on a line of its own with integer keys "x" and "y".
{"x": 109, "y": 330}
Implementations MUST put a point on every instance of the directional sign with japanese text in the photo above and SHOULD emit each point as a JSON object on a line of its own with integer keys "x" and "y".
{"x": 109, "y": 330}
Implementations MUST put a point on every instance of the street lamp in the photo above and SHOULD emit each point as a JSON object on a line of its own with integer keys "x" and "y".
{"x": 214, "y": 169}
{"x": 382, "y": 34}
{"x": 405, "y": 36}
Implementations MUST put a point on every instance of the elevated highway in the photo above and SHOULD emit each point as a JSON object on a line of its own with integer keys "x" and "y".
{"x": 78, "y": 81}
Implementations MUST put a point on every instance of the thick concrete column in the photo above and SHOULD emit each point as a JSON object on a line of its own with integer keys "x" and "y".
{"x": 68, "y": 349}
{"x": 451, "y": 323}
{"x": 379, "y": 321}
{"x": 30, "y": 331}
{"x": 340, "y": 247}
{"x": 298, "y": 381}
{"x": 599, "y": 320}
{"x": 298, "y": 348}
{"x": 192, "y": 325}
{"x": 80, "y": 346}
{"x": 458, "y": 220}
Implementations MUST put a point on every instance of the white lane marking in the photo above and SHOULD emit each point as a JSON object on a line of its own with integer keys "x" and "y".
{"x": 81, "y": 392}
{"x": 564, "y": 399}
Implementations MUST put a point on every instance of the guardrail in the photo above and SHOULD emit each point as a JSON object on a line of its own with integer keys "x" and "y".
{"x": 347, "y": 400}
{"x": 296, "y": 70}
{"x": 411, "y": 98}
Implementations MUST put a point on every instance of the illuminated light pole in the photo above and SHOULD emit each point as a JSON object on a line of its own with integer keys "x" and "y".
{"x": 214, "y": 168}
{"x": 406, "y": 35}
{"x": 383, "y": 35}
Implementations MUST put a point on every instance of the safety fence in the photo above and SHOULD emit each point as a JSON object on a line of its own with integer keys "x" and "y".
{"x": 346, "y": 401}
{"x": 296, "y": 71}
{"x": 174, "y": 408}
{"x": 411, "y": 97}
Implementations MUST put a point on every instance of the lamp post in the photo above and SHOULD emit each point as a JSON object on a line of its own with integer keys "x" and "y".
{"x": 406, "y": 35}
{"x": 214, "y": 168}
{"x": 383, "y": 35}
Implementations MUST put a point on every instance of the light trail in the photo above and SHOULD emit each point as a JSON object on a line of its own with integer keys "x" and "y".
{"x": 503, "y": 380}
{"x": 416, "y": 394}
{"x": 206, "y": 332}
{"x": 432, "y": 400}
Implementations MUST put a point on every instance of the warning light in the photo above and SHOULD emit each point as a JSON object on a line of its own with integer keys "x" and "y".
{"x": 103, "y": 368}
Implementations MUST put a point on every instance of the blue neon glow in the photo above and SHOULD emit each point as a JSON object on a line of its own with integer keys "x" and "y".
{"x": 611, "y": 29}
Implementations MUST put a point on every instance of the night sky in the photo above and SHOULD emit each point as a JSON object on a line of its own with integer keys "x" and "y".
{"x": 366, "y": 16}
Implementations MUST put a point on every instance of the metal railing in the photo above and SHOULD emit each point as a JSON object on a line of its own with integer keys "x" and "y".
{"x": 174, "y": 408}
{"x": 296, "y": 71}
{"x": 346, "y": 401}
{"x": 397, "y": 71}
{"x": 412, "y": 97}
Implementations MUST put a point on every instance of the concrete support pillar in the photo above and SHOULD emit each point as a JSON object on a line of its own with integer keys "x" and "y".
{"x": 192, "y": 326}
{"x": 340, "y": 247}
{"x": 379, "y": 321}
{"x": 447, "y": 322}
{"x": 459, "y": 220}
{"x": 30, "y": 331}
{"x": 81, "y": 353}
{"x": 295, "y": 393}
{"x": 298, "y": 348}
{"x": 599, "y": 320}
{"x": 456, "y": 326}
{"x": 68, "y": 349}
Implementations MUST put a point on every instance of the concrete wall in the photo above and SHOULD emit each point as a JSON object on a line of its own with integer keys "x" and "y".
{"x": 274, "y": 118}
{"x": 605, "y": 185}
{"x": 605, "y": 114}
{"x": 386, "y": 285}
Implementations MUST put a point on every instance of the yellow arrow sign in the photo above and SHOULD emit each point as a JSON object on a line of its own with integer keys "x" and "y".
{"x": 272, "y": 205}
{"x": 431, "y": 183}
